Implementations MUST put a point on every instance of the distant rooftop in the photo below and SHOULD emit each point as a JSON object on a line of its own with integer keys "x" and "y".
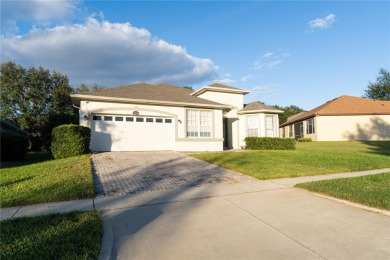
{"x": 345, "y": 105}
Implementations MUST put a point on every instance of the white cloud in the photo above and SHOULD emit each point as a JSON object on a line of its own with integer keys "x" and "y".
{"x": 108, "y": 54}
{"x": 270, "y": 60}
{"x": 247, "y": 78}
{"x": 261, "y": 92}
{"x": 322, "y": 23}
{"x": 267, "y": 55}
{"x": 225, "y": 79}
{"x": 35, "y": 11}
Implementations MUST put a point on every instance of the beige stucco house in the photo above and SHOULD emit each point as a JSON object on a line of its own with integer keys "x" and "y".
{"x": 343, "y": 118}
{"x": 147, "y": 117}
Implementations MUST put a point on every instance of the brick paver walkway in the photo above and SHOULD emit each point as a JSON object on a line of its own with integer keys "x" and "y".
{"x": 119, "y": 173}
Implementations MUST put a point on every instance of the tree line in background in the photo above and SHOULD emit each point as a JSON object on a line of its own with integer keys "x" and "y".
{"x": 37, "y": 100}
{"x": 381, "y": 88}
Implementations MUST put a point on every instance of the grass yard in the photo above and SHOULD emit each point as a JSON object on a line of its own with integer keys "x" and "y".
{"x": 370, "y": 190}
{"x": 313, "y": 158}
{"x": 75, "y": 235}
{"x": 40, "y": 180}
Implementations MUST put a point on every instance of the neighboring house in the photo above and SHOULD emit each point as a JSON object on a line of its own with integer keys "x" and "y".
{"x": 8, "y": 127}
{"x": 343, "y": 118}
{"x": 147, "y": 117}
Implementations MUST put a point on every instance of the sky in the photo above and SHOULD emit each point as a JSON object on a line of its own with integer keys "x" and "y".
{"x": 300, "y": 53}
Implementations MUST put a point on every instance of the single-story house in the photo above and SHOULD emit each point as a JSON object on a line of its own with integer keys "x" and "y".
{"x": 341, "y": 119}
{"x": 147, "y": 117}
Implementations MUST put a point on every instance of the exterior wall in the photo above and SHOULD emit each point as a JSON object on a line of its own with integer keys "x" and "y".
{"x": 343, "y": 128}
{"x": 287, "y": 132}
{"x": 181, "y": 143}
{"x": 233, "y": 99}
{"x": 233, "y": 124}
{"x": 262, "y": 126}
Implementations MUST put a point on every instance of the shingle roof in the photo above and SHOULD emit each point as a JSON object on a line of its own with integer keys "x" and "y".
{"x": 346, "y": 105}
{"x": 257, "y": 106}
{"x": 151, "y": 92}
{"x": 218, "y": 85}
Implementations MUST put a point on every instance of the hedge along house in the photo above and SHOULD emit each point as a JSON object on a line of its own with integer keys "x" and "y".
{"x": 341, "y": 119}
{"x": 147, "y": 117}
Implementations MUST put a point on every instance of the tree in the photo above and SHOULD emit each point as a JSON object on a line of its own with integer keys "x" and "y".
{"x": 288, "y": 111}
{"x": 85, "y": 88}
{"x": 188, "y": 87}
{"x": 381, "y": 88}
{"x": 36, "y": 100}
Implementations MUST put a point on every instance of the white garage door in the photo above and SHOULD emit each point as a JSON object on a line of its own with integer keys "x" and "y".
{"x": 131, "y": 133}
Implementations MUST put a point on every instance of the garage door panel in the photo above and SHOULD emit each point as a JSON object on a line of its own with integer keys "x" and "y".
{"x": 132, "y": 135}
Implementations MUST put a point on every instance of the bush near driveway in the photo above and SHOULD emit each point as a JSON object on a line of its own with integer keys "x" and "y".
{"x": 370, "y": 190}
{"x": 49, "y": 181}
{"x": 269, "y": 143}
{"x": 70, "y": 140}
{"x": 75, "y": 235}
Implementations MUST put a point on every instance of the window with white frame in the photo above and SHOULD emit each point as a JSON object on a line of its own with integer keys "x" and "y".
{"x": 290, "y": 131}
{"x": 269, "y": 124}
{"x": 198, "y": 123}
{"x": 310, "y": 126}
{"x": 252, "y": 126}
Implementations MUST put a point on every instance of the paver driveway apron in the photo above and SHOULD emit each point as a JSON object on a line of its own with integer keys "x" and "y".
{"x": 119, "y": 173}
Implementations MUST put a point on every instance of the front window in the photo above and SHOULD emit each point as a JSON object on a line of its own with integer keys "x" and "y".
{"x": 270, "y": 130}
{"x": 290, "y": 131}
{"x": 198, "y": 123}
{"x": 310, "y": 126}
{"x": 253, "y": 126}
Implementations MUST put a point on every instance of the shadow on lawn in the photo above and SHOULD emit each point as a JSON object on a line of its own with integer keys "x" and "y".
{"x": 15, "y": 182}
{"x": 378, "y": 147}
{"x": 31, "y": 158}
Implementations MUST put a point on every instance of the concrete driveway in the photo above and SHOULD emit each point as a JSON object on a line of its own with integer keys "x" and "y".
{"x": 233, "y": 219}
{"x": 120, "y": 173}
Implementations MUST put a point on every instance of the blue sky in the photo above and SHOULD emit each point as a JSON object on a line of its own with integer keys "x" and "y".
{"x": 285, "y": 52}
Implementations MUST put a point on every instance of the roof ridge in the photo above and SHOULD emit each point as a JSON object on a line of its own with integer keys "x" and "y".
{"x": 342, "y": 105}
{"x": 149, "y": 92}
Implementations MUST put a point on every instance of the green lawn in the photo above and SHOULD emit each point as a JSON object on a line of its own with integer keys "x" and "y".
{"x": 75, "y": 235}
{"x": 38, "y": 181}
{"x": 312, "y": 158}
{"x": 370, "y": 190}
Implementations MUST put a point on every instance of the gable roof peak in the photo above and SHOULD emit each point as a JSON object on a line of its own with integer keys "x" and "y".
{"x": 258, "y": 107}
{"x": 217, "y": 87}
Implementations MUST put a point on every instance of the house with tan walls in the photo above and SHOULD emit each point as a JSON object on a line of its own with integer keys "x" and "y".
{"x": 148, "y": 117}
{"x": 342, "y": 119}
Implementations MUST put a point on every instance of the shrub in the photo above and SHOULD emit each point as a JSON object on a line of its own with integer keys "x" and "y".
{"x": 13, "y": 146}
{"x": 70, "y": 140}
{"x": 304, "y": 140}
{"x": 269, "y": 143}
